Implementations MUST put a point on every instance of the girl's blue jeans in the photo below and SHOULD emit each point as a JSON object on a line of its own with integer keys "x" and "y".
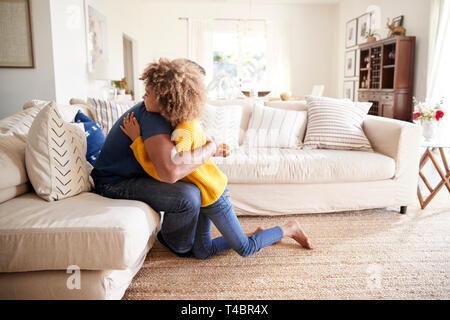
{"x": 221, "y": 213}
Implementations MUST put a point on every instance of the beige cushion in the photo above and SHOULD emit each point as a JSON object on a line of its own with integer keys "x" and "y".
{"x": 300, "y": 105}
{"x": 15, "y": 191}
{"x": 12, "y": 161}
{"x": 88, "y": 230}
{"x": 272, "y": 165}
{"x": 336, "y": 124}
{"x": 19, "y": 123}
{"x": 55, "y": 156}
{"x": 13, "y": 135}
{"x": 276, "y": 128}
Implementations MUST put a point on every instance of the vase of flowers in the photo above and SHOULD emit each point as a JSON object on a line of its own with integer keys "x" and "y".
{"x": 121, "y": 85}
{"x": 428, "y": 114}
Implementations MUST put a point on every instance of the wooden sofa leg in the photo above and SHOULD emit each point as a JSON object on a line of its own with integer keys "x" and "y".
{"x": 403, "y": 209}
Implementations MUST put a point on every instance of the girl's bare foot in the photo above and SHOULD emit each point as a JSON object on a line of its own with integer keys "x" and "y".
{"x": 293, "y": 230}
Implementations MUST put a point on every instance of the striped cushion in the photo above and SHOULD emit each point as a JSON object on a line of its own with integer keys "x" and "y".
{"x": 108, "y": 112}
{"x": 275, "y": 128}
{"x": 336, "y": 124}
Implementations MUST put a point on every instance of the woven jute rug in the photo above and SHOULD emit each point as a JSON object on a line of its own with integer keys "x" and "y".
{"x": 370, "y": 254}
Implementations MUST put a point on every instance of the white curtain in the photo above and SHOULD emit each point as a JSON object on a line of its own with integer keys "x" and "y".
{"x": 200, "y": 44}
{"x": 279, "y": 58}
{"x": 438, "y": 82}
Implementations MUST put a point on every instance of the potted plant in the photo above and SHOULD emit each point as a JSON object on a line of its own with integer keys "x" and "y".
{"x": 371, "y": 36}
{"x": 121, "y": 85}
{"x": 428, "y": 113}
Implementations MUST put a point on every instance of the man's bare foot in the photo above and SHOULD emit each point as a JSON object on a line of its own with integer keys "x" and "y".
{"x": 293, "y": 230}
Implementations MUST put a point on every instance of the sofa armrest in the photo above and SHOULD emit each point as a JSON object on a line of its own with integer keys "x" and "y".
{"x": 397, "y": 139}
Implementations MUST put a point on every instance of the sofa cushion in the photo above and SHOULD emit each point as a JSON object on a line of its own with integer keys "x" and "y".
{"x": 108, "y": 112}
{"x": 272, "y": 165}
{"x": 55, "y": 156}
{"x": 94, "y": 136}
{"x": 222, "y": 123}
{"x": 336, "y": 124}
{"x": 275, "y": 128}
{"x": 88, "y": 230}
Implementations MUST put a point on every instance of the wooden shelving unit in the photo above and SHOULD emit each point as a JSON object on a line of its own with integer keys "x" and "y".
{"x": 386, "y": 76}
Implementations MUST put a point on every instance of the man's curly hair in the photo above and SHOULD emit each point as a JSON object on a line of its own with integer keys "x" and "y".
{"x": 178, "y": 87}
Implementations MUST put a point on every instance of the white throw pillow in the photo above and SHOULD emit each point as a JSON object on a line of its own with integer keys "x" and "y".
{"x": 276, "y": 128}
{"x": 222, "y": 123}
{"x": 336, "y": 124}
{"x": 55, "y": 156}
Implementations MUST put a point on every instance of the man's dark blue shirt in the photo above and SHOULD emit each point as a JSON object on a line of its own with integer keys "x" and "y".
{"x": 116, "y": 160}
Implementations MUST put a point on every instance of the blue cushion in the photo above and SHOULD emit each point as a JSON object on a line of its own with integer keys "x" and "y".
{"x": 94, "y": 136}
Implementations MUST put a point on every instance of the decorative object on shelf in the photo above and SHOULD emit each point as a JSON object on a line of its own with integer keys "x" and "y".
{"x": 395, "y": 30}
{"x": 428, "y": 113}
{"x": 350, "y": 36}
{"x": 350, "y": 66}
{"x": 261, "y": 94}
{"x": 363, "y": 27}
{"x": 285, "y": 96}
{"x": 371, "y": 36}
{"x": 16, "y": 34}
{"x": 223, "y": 86}
{"x": 398, "y": 21}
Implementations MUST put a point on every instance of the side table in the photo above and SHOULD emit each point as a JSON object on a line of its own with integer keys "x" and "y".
{"x": 444, "y": 173}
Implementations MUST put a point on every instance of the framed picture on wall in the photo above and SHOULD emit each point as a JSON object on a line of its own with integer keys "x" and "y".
{"x": 363, "y": 27}
{"x": 350, "y": 63}
{"x": 15, "y": 34}
{"x": 350, "y": 34}
{"x": 97, "y": 44}
{"x": 349, "y": 90}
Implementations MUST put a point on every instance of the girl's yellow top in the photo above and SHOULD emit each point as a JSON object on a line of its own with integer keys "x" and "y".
{"x": 208, "y": 177}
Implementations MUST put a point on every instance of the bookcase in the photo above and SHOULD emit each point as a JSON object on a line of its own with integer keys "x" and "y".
{"x": 386, "y": 76}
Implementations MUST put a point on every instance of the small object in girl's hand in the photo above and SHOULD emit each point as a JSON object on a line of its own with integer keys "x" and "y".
{"x": 225, "y": 150}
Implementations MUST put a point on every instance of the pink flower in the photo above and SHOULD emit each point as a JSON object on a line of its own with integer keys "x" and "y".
{"x": 439, "y": 115}
{"x": 416, "y": 115}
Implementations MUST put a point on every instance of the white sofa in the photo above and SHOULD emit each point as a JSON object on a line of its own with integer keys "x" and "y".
{"x": 109, "y": 239}
{"x": 83, "y": 247}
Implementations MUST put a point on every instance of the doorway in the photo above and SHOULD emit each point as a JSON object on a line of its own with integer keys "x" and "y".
{"x": 128, "y": 64}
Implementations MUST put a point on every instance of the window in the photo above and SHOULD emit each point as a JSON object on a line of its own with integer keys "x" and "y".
{"x": 239, "y": 62}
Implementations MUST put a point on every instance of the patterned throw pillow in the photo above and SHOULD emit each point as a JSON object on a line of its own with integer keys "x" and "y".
{"x": 222, "y": 124}
{"x": 108, "y": 112}
{"x": 94, "y": 136}
{"x": 336, "y": 124}
{"x": 55, "y": 156}
{"x": 275, "y": 128}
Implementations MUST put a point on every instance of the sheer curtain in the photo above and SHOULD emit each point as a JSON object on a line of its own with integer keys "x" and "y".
{"x": 279, "y": 57}
{"x": 200, "y": 44}
{"x": 438, "y": 82}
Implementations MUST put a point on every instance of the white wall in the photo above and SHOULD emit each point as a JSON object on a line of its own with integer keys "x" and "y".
{"x": 416, "y": 22}
{"x": 69, "y": 49}
{"x": 313, "y": 35}
{"x": 20, "y": 85}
